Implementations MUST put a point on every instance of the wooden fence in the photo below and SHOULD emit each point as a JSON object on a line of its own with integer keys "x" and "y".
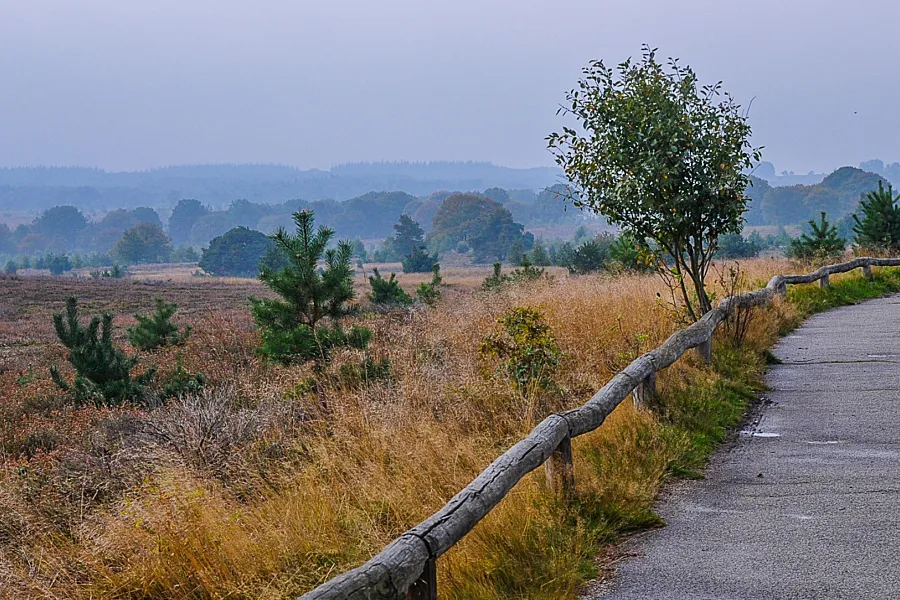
{"x": 406, "y": 567}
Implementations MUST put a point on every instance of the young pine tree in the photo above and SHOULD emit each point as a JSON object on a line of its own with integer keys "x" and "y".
{"x": 822, "y": 242}
{"x": 304, "y": 325}
{"x": 103, "y": 372}
{"x": 879, "y": 227}
{"x": 429, "y": 292}
{"x": 156, "y": 330}
{"x": 387, "y": 292}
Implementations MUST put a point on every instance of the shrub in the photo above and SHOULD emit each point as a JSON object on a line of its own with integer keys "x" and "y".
{"x": 182, "y": 382}
{"x": 526, "y": 349}
{"x": 419, "y": 261}
{"x": 238, "y": 253}
{"x": 429, "y": 292}
{"x": 591, "y": 256}
{"x": 156, "y": 330}
{"x": 733, "y": 245}
{"x": 495, "y": 279}
{"x": 11, "y": 267}
{"x": 628, "y": 254}
{"x": 57, "y": 264}
{"x": 821, "y": 243}
{"x": 387, "y": 292}
{"x": 103, "y": 372}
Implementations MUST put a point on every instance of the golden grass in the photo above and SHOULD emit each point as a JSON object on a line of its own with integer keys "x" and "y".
{"x": 297, "y": 501}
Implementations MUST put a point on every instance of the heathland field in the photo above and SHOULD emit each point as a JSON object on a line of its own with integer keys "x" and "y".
{"x": 256, "y": 488}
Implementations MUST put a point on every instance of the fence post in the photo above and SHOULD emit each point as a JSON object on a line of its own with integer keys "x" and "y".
{"x": 704, "y": 351}
{"x": 644, "y": 392}
{"x": 867, "y": 271}
{"x": 824, "y": 282}
{"x": 560, "y": 471}
{"x": 425, "y": 587}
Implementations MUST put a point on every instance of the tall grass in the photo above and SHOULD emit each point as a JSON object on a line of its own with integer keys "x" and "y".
{"x": 290, "y": 497}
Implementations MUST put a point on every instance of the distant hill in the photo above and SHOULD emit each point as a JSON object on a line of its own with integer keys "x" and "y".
{"x": 838, "y": 195}
{"x": 36, "y": 188}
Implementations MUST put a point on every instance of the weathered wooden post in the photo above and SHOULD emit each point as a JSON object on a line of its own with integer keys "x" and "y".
{"x": 425, "y": 588}
{"x": 704, "y": 351}
{"x": 560, "y": 471}
{"x": 867, "y": 271}
{"x": 824, "y": 282}
{"x": 644, "y": 392}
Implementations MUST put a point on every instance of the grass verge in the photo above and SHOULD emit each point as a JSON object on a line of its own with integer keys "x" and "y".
{"x": 536, "y": 547}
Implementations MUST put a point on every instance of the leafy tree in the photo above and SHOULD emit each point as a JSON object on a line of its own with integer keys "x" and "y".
{"x": 64, "y": 222}
{"x": 662, "y": 158}
{"x": 359, "y": 249}
{"x": 103, "y": 371}
{"x": 238, "y": 253}
{"x": 11, "y": 267}
{"x": 211, "y": 226}
{"x": 515, "y": 255}
{"x": 143, "y": 243}
{"x": 57, "y": 264}
{"x": 486, "y": 225}
{"x": 822, "y": 242}
{"x": 156, "y": 330}
{"x": 387, "y": 292}
{"x": 879, "y": 227}
{"x": 733, "y": 245}
{"x": 185, "y": 214}
{"x": 292, "y": 327}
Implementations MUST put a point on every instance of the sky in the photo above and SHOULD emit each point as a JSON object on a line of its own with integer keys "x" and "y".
{"x": 128, "y": 84}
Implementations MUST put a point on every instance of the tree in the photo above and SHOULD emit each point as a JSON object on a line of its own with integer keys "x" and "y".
{"x": 185, "y": 214}
{"x": 156, "y": 330}
{"x": 103, "y": 371}
{"x": 665, "y": 160}
{"x": 387, "y": 292}
{"x": 733, "y": 245}
{"x": 429, "y": 292}
{"x": 879, "y": 227}
{"x": 419, "y": 261}
{"x": 486, "y": 225}
{"x": 64, "y": 222}
{"x": 57, "y": 264}
{"x": 591, "y": 256}
{"x": 292, "y": 327}
{"x": 143, "y": 243}
{"x": 238, "y": 253}
{"x": 822, "y": 242}
{"x": 408, "y": 236}
{"x": 539, "y": 256}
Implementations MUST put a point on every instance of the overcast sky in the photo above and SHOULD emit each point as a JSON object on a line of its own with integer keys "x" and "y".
{"x": 129, "y": 84}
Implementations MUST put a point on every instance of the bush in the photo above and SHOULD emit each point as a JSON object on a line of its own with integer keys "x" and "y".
{"x": 387, "y": 292}
{"x": 57, "y": 264}
{"x": 429, "y": 292}
{"x": 157, "y": 330}
{"x": 495, "y": 279}
{"x": 591, "y": 256}
{"x": 238, "y": 253}
{"x": 528, "y": 354}
{"x": 103, "y": 372}
{"x": 11, "y": 267}
{"x": 626, "y": 252}
{"x": 419, "y": 261}
{"x": 733, "y": 245}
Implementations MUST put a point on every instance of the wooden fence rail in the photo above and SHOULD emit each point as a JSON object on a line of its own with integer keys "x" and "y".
{"x": 406, "y": 567}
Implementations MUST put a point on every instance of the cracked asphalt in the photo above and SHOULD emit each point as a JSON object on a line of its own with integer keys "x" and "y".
{"x": 805, "y": 504}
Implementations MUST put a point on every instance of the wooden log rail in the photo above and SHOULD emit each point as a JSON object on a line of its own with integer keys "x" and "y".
{"x": 406, "y": 568}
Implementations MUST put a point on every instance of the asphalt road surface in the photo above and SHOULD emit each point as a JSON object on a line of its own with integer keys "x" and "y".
{"x": 806, "y": 502}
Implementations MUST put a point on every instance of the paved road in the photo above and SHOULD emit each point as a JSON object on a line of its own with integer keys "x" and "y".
{"x": 806, "y": 504}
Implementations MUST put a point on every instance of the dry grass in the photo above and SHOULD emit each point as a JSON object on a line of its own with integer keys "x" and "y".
{"x": 249, "y": 491}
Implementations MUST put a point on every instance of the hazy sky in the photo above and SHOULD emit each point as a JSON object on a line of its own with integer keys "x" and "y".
{"x": 129, "y": 84}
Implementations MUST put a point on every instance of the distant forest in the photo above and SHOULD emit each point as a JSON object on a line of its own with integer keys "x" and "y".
{"x": 88, "y": 210}
{"x": 36, "y": 188}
